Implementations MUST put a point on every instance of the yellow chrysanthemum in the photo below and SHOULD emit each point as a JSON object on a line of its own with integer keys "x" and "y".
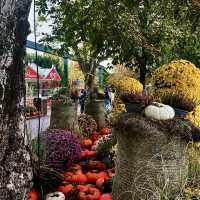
{"x": 118, "y": 108}
{"x": 125, "y": 84}
{"x": 179, "y": 77}
{"x": 194, "y": 116}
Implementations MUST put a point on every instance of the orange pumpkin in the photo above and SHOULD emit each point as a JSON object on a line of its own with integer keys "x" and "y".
{"x": 100, "y": 182}
{"x": 96, "y": 165}
{"x": 75, "y": 167}
{"x": 68, "y": 176}
{"x": 87, "y": 154}
{"x": 79, "y": 178}
{"x": 91, "y": 194}
{"x": 106, "y": 196}
{"x": 33, "y": 195}
{"x": 91, "y": 154}
{"x": 65, "y": 189}
{"x": 105, "y": 131}
{"x": 86, "y": 143}
{"x": 93, "y": 176}
{"x": 83, "y": 188}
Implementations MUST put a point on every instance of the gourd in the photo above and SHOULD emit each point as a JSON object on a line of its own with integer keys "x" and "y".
{"x": 91, "y": 193}
{"x": 55, "y": 196}
{"x": 65, "y": 189}
{"x": 105, "y": 197}
{"x": 159, "y": 111}
{"x": 33, "y": 195}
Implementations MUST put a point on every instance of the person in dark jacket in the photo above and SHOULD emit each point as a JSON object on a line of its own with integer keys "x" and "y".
{"x": 82, "y": 99}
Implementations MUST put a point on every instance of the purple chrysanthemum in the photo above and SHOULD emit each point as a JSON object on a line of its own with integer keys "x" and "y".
{"x": 62, "y": 149}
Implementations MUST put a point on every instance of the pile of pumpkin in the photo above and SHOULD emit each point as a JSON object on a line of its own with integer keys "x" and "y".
{"x": 90, "y": 179}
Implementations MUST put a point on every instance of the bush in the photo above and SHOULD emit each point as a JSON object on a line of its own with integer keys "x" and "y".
{"x": 62, "y": 149}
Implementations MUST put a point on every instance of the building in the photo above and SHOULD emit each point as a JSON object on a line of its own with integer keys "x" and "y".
{"x": 49, "y": 79}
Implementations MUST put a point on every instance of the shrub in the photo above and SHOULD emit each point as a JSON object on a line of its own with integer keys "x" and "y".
{"x": 62, "y": 149}
{"x": 179, "y": 77}
{"x": 87, "y": 125}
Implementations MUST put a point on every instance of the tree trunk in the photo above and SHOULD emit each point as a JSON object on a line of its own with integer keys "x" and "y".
{"x": 90, "y": 78}
{"x": 15, "y": 167}
{"x": 143, "y": 69}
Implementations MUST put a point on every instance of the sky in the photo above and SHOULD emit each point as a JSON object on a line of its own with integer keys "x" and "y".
{"x": 45, "y": 29}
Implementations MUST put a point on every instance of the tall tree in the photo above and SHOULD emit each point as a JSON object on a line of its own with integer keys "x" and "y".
{"x": 15, "y": 168}
{"x": 76, "y": 27}
{"x": 131, "y": 32}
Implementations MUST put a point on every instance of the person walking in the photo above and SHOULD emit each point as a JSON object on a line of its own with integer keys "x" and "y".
{"x": 82, "y": 99}
{"x": 107, "y": 100}
{"x": 112, "y": 96}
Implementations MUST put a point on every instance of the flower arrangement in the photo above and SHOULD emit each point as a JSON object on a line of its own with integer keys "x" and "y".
{"x": 180, "y": 77}
{"x": 62, "y": 149}
{"x": 87, "y": 125}
{"x": 194, "y": 116}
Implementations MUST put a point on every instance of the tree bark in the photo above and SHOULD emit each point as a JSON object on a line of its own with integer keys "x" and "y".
{"x": 90, "y": 75}
{"x": 143, "y": 69}
{"x": 15, "y": 167}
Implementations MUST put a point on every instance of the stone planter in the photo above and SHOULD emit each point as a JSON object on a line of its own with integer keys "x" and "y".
{"x": 95, "y": 108}
{"x": 150, "y": 162}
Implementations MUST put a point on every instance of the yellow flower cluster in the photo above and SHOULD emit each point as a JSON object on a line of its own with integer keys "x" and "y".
{"x": 118, "y": 108}
{"x": 194, "y": 116}
{"x": 125, "y": 84}
{"x": 190, "y": 193}
{"x": 179, "y": 77}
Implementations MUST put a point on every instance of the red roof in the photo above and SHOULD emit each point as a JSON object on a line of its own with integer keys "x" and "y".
{"x": 31, "y": 74}
{"x": 53, "y": 75}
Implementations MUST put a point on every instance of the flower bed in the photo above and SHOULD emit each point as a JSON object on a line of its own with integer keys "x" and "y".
{"x": 89, "y": 178}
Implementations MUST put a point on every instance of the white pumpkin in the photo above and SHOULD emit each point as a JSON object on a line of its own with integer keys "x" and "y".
{"x": 55, "y": 196}
{"x": 159, "y": 111}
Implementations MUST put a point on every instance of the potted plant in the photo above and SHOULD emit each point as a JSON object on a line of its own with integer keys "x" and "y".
{"x": 136, "y": 101}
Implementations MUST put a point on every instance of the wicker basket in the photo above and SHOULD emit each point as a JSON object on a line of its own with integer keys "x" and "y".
{"x": 150, "y": 163}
